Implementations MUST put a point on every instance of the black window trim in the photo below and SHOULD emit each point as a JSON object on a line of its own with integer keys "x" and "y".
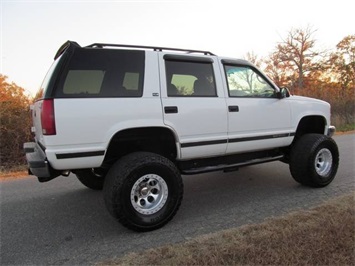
{"x": 185, "y": 58}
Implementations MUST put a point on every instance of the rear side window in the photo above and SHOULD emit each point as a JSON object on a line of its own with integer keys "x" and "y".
{"x": 190, "y": 79}
{"x": 50, "y": 78}
{"x": 83, "y": 81}
{"x": 102, "y": 73}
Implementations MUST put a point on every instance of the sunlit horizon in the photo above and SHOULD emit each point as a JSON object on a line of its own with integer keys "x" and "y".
{"x": 32, "y": 31}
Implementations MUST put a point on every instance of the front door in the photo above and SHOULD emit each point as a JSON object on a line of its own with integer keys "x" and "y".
{"x": 258, "y": 118}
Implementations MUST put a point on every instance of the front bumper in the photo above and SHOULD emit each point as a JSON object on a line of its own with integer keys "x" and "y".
{"x": 37, "y": 162}
{"x": 331, "y": 131}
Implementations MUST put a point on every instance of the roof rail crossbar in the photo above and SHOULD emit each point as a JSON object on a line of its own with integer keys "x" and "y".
{"x": 155, "y": 48}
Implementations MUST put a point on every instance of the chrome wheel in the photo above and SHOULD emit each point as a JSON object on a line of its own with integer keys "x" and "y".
{"x": 149, "y": 194}
{"x": 323, "y": 162}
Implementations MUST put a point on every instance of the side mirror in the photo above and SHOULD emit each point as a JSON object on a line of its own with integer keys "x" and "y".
{"x": 284, "y": 93}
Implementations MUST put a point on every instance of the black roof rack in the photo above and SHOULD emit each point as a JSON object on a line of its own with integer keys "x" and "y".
{"x": 155, "y": 48}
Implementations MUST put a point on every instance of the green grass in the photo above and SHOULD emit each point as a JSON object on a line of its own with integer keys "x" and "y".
{"x": 346, "y": 127}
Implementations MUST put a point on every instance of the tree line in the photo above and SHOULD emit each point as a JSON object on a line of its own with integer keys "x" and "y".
{"x": 328, "y": 75}
{"x": 295, "y": 63}
{"x": 15, "y": 124}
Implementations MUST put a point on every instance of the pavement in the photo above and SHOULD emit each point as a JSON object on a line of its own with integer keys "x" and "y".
{"x": 62, "y": 222}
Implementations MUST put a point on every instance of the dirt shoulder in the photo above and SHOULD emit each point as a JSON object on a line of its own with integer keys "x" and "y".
{"x": 13, "y": 175}
{"x": 345, "y": 132}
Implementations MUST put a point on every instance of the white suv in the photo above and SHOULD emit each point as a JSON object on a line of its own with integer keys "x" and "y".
{"x": 132, "y": 119}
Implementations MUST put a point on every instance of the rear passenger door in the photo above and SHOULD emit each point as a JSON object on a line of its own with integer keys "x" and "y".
{"x": 193, "y": 104}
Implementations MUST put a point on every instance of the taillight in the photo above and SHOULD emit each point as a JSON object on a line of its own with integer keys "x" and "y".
{"x": 47, "y": 117}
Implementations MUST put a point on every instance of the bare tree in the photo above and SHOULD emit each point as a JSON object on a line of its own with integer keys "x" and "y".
{"x": 278, "y": 70}
{"x": 297, "y": 51}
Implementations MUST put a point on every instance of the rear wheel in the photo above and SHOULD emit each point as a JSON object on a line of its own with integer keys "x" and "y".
{"x": 90, "y": 179}
{"x": 143, "y": 191}
{"x": 314, "y": 160}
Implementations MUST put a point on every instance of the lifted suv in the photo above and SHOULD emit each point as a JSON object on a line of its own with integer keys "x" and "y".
{"x": 131, "y": 119}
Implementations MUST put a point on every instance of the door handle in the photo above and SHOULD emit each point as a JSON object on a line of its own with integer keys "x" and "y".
{"x": 171, "y": 109}
{"x": 233, "y": 108}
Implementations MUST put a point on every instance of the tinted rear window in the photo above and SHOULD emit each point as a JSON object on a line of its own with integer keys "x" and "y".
{"x": 102, "y": 73}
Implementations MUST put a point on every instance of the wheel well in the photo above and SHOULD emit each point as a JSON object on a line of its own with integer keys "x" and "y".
{"x": 153, "y": 139}
{"x": 311, "y": 124}
{"x": 308, "y": 124}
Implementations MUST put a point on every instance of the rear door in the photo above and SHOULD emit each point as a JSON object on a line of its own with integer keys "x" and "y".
{"x": 193, "y": 104}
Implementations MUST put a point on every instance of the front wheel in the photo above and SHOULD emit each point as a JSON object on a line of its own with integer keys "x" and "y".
{"x": 314, "y": 160}
{"x": 143, "y": 191}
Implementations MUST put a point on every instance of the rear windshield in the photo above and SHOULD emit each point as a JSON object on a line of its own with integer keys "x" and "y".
{"x": 49, "y": 78}
{"x": 102, "y": 73}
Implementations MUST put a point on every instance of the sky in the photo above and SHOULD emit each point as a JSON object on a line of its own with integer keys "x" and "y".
{"x": 32, "y": 31}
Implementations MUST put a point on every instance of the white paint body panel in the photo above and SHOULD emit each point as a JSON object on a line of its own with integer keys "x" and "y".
{"x": 199, "y": 119}
{"x": 258, "y": 117}
{"x": 88, "y": 124}
{"x": 304, "y": 106}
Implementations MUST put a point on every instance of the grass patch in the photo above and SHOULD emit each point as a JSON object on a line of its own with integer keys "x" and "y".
{"x": 324, "y": 235}
{"x": 347, "y": 127}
